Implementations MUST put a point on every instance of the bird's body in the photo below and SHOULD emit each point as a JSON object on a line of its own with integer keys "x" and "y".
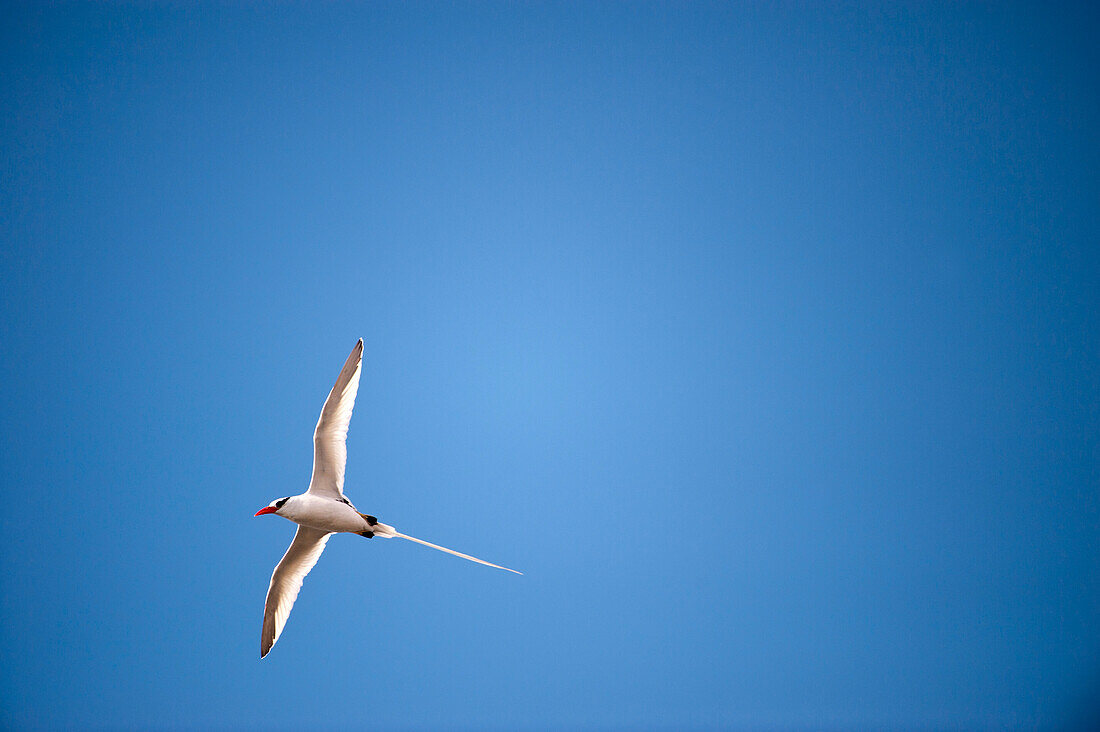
{"x": 332, "y": 516}
{"x": 323, "y": 510}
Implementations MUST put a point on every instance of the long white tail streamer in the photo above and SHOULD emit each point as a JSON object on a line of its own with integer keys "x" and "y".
{"x": 452, "y": 551}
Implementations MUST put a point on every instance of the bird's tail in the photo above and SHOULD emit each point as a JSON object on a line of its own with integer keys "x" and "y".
{"x": 452, "y": 551}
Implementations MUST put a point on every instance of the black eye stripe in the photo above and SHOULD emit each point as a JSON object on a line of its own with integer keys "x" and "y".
{"x": 279, "y": 503}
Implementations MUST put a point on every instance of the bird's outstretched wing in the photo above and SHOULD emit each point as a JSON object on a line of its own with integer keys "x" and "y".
{"x": 330, "y": 451}
{"x": 286, "y": 580}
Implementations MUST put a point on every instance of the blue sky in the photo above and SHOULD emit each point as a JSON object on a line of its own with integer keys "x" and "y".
{"x": 761, "y": 337}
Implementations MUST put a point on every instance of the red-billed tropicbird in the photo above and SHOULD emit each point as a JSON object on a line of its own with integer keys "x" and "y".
{"x": 323, "y": 510}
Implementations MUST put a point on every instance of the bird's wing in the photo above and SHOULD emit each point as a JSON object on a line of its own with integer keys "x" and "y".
{"x": 330, "y": 451}
{"x": 286, "y": 580}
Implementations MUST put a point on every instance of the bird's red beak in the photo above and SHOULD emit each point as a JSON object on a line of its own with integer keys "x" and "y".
{"x": 266, "y": 509}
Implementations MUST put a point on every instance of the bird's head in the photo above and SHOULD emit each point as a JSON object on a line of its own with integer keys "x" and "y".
{"x": 273, "y": 507}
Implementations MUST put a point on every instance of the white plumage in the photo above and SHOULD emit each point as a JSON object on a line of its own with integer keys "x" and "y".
{"x": 323, "y": 510}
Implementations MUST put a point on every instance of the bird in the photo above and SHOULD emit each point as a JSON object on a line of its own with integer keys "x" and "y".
{"x": 324, "y": 510}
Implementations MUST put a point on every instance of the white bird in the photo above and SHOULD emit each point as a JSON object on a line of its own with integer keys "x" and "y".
{"x": 323, "y": 510}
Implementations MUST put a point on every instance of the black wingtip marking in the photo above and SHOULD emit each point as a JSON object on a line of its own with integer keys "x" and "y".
{"x": 367, "y": 534}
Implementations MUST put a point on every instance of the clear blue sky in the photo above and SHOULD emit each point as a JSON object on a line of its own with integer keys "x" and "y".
{"x": 763, "y": 338}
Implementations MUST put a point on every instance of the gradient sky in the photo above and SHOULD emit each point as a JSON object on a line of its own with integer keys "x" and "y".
{"x": 762, "y": 337}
